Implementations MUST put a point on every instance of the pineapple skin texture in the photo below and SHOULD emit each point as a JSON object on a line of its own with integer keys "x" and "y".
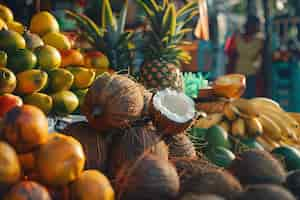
{"x": 158, "y": 76}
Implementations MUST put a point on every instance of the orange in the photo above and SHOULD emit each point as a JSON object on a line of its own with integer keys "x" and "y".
{"x": 71, "y": 57}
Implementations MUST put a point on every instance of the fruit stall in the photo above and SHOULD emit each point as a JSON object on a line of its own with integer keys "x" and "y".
{"x": 79, "y": 121}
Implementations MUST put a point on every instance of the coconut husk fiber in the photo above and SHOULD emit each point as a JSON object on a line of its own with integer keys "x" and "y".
{"x": 215, "y": 181}
{"x": 149, "y": 178}
{"x": 257, "y": 167}
{"x": 180, "y": 146}
{"x": 95, "y": 144}
{"x": 266, "y": 192}
{"x": 113, "y": 101}
{"x": 131, "y": 143}
{"x": 191, "y": 196}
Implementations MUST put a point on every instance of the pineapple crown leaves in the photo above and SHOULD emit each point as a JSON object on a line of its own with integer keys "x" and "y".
{"x": 168, "y": 28}
{"x": 110, "y": 37}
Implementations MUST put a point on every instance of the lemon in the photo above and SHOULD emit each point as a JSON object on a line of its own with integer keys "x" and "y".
{"x": 57, "y": 40}
{"x": 40, "y": 100}
{"x": 15, "y": 26}
{"x": 43, "y": 22}
{"x": 48, "y": 57}
{"x": 83, "y": 77}
{"x": 64, "y": 102}
{"x": 6, "y": 14}
{"x": 60, "y": 79}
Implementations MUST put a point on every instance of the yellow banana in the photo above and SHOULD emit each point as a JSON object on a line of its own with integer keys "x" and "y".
{"x": 270, "y": 128}
{"x": 225, "y": 125}
{"x": 296, "y": 116}
{"x": 229, "y": 112}
{"x": 254, "y": 127}
{"x": 289, "y": 142}
{"x": 272, "y": 143}
{"x": 265, "y": 102}
{"x": 209, "y": 121}
{"x": 265, "y": 144}
{"x": 238, "y": 127}
{"x": 246, "y": 107}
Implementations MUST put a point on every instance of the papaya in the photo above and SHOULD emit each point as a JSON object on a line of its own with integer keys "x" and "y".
{"x": 40, "y": 100}
{"x": 60, "y": 79}
{"x": 31, "y": 81}
{"x": 64, "y": 102}
{"x": 83, "y": 77}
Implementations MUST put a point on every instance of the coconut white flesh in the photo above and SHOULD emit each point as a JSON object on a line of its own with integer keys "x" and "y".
{"x": 174, "y": 105}
{"x": 227, "y": 80}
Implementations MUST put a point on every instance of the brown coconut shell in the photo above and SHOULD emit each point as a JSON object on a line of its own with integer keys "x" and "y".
{"x": 113, "y": 101}
{"x": 180, "y": 146}
{"x": 257, "y": 167}
{"x": 191, "y": 196}
{"x": 147, "y": 178}
{"x": 266, "y": 192}
{"x": 217, "y": 182}
{"x": 95, "y": 144}
{"x": 147, "y": 100}
{"x": 166, "y": 126}
{"x": 132, "y": 143}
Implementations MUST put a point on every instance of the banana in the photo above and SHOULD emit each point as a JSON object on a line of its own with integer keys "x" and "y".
{"x": 270, "y": 128}
{"x": 266, "y": 144}
{"x": 254, "y": 127}
{"x": 225, "y": 125}
{"x": 265, "y": 102}
{"x": 209, "y": 121}
{"x": 238, "y": 127}
{"x": 296, "y": 116}
{"x": 229, "y": 112}
{"x": 246, "y": 107}
{"x": 287, "y": 141}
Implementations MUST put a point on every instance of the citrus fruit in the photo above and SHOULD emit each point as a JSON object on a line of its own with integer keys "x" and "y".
{"x": 3, "y": 25}
{"x": 57, "y": 40}
{"x": 64, "y": 102}
{"x": 80, "y": 93}
{"x": 48, "y": 57}
{"x": 16, "y": 26}
{"x": 71, "y": 57}
{"x": 31, "y": 81}
{"x": 3, "y": 59}
{"x": 6, "y": 14}
{"x": 11, "y": 40}
{"x": 25, "y": 128}
{"x": 42, "y": 23}
{"x": 96, "y": 59}
{"x": 83, "y": 77}
{"x": 60, "y": 79}
{"x": 21, "y": 60}
{"x": 7, "y": 81}
{"x": 40, "y": 100}
{"x": 32, "y": 40}
{"x": 60, "y": 161}
{"x": 10, "y": 168}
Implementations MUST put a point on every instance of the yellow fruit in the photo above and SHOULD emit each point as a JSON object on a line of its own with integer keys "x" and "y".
{"x": 42, "y": 23}
{"x": 270, "y": 128}
{"x": 3, "y": 25}
{"x": 83, "y": 77}
{"x": 16, "y": 26}
{"x": 6, "y": 14}
{"x": 209, "y": 120}
{"x": 60, "y": 79}
{"x": 96, "y": 59}
{"x": 7, "y": 81}
{"x": 64, "y": 102}
{"x": 57, "y": 40}
{"x": 40, "y": 100}
{"x": 31, "y": 81}
{"x": 11, "y": 40}
{"x": 48, "y": 57}
{"x": 80, "y": 95}
{"x": 238, "y": 127}
{"x": 3, "y": 59}
{"x": 254, "y": 127}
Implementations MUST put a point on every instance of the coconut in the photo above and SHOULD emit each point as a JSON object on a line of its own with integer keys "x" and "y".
{"x": 180, "y": 146}
{"x": 293, "y": 182}
{"x": 113, "y": 101}
{"x": 130, "y": 144}
{"x": 191, "y": 196}
{"x": 217, "y": 182}
{"x": 266, "y": 192}
{"x": 95, "y": 145}
{"x": 258, "y": 167}
{"x": 146, "y": 179}
{"x": 147, "y": 100}
{"x": 172, "y": 112}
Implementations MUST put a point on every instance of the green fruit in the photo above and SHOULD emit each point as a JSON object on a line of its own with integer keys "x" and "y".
{"x": 21, "y": 60}
{"x": 7, "y": 81}
{"x": 81, "y": 95}
{"x": 3, "y": 59}
{"x": 48, "y": 57}
{"x": 198, "y": 132}
{"x": 40, "y": 100}
{"x": 220, "y": 156}
{"x": 252, "y": 144}
{"x": 60, "y": 79}
{"x": 216, "y": 136}
{"x": 64, "y": 102}
{"x": 289, "y": 155}
{"x": 11, "y": 40}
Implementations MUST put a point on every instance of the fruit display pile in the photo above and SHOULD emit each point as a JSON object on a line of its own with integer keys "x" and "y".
{"x": 143, "y": 138}
{"x": 42, "y": 65}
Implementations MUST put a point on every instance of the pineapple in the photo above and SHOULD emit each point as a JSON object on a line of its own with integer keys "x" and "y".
{"x": 162, "y": 54}
{"x": 110, "y": 37}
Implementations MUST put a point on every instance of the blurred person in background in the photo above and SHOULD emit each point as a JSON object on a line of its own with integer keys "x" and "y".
{"x": 244, "y": 51}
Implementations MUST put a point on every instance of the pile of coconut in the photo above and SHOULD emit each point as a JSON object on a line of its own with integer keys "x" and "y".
{"x": 138, "y": 139}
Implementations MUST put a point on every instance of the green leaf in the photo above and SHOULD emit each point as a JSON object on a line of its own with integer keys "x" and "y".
{"x": 108, "y": 20}
{"x": 187, "y": 11}
{"x": 169, "y": 21}
{"x": 165, "y": 4}
{"x": 122, "y": 18}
